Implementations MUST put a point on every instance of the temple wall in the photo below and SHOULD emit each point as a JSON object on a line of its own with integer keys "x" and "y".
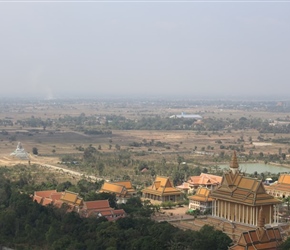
{"x": 242, "y": 213}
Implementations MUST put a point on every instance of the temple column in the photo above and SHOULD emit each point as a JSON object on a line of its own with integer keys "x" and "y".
{"x": 257, "y": 216}
{"x": 225, "y": 209}
{"x": 251, "y": 219}
{"x": 270, "y": 215}
{"x": 242, "y": 213}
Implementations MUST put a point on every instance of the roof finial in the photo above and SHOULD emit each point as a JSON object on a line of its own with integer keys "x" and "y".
{"x": 234, "y": 162}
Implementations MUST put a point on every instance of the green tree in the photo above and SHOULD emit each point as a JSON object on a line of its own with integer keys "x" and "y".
{"x": 34, "y": 151}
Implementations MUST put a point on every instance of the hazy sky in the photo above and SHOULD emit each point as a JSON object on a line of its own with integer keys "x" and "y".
{"x": 144, "y": 48}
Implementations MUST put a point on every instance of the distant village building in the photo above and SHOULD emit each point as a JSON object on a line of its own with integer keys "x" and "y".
{"x": 162, "y": 190}
{"x": 20, "y": 153}
{"x": 122, "y": 189}
{"x": 203, "y": 180}
{"x": 239, "y": 198}
{"x": 280, "y": 189}
{"x": 187, "y": 116}
{"x": 201, "y": 200}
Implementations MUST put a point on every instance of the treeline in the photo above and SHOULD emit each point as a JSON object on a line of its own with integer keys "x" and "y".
{"x": 25, "y": 224}
{"x": 97, "y": 125}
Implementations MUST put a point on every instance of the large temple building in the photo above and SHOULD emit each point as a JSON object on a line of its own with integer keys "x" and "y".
{"x": 162, "y": 190}
{"x": 239, "y": 198}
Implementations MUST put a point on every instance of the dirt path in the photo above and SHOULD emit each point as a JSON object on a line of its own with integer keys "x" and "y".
{"x": 10, "y": 162}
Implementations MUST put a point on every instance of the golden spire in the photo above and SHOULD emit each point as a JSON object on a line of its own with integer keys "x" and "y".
{"x": 234, "y": 162}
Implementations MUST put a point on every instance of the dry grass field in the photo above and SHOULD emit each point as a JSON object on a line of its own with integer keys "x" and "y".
{"x": 52, "y": 142}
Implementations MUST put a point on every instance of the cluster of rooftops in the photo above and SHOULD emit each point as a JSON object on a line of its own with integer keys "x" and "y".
{"x": 73, "y": 202}
{"x": 235, "y": 197}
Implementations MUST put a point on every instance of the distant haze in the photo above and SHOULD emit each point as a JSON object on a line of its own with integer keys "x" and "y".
{"x": 144, "y": 49}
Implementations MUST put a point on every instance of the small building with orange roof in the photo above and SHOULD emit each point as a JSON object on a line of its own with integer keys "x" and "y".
{"x": 123, "y": 190}
{"x": 101, "y": 208}
{"x": 162, "y": 190}
{"x": 45, "y": 197}
{"x": 280, "y": 189}
{"x": 71, "y": 198}
{"x": 203, "y": 180}
{"x": 201, "y": 200}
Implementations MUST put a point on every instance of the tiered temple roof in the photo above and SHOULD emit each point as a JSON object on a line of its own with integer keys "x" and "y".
{"x": 162, "y": 186}
{"x": 71, "y": 198}
{"x": 202, "y": 194}
{"x": 235, "y": 187}
{"x": 118, "y": 188}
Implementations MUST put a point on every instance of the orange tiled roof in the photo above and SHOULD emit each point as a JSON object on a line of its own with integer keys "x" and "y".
{"x": 162, "y": 186}
{"x": 45, "y": 193}
{"x": 46, "y": 201}
{"x": 113, "y": 188}
{"x": 202, "y": 194}
{"x": 205, "y": 179}
{"x": 119, "y": 212}
{"x": 56, "y": 196}
{"x": 71, "y": 198}
{"x": 283, "y": 184}
{"x": 38, "y": 199}
{"x": 260, "y": 238}
{"x": 96, "y": 205}
{"x": 127, "y": 185}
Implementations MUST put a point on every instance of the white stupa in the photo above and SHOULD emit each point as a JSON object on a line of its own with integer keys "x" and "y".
{"x": 20, "y": 152}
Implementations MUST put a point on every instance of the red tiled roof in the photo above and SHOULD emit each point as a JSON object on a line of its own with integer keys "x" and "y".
{"x": 99, "y": 204}
{"x": 38, "y": 199}
{"x": 260, "y": 238}
{"x": 45, "y": 193}
{"x": 46, "y": 201}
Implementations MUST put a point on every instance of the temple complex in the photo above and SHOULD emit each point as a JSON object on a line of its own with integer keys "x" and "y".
{"x": 162, "y": 190}
{"x": 239, "y": 198}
